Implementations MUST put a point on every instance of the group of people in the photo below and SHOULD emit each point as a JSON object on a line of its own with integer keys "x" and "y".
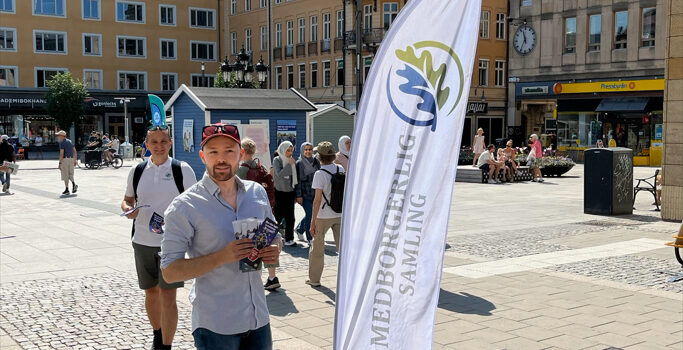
{"x": 503, "y": 163}
{"x": 182, "y": 230}
{"x": 109, "y": 146}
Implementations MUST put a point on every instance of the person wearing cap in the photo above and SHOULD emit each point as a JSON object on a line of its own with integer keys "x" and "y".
{"x": 324, "y": 218}
{"x": 229, "y": 309}
{"x": 67, "y": 161}
{"x": 156, "y": 188}
{"x": 6, "y": 155}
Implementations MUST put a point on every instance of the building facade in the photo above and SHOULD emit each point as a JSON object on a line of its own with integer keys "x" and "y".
{"x": 588, "y": 70}
{"x": 117, "y": 48}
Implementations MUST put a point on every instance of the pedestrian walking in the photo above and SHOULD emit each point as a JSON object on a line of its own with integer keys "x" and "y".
{"x": 252, "y": 170}
{"x": 535, "y": 146}
{"x": 6, "y": 155}
{"x": 306, "y": 167}
{"x": 154, "y": 184}
{"x": 324, "y": 216}
{"x": 67, "y": 161}
{"x": 342, "y": 157}
{"x": 532, "y": 163}
{"x": 285, "y": 179}
{"x": 228, "y": 311}
{"x": 39, "y": 145}
{"x": 478, "y": 146}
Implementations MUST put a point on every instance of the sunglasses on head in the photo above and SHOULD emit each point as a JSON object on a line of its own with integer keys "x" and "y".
{"x": 210, "y": 130}
{"x": 158, "y": 127}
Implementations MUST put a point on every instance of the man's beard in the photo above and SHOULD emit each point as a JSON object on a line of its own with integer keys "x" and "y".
{"x": 224, "y": 175}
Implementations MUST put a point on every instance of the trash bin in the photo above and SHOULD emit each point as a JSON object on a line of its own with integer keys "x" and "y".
{"x": 126, "y": 150}
{"x": 608, "y": 181}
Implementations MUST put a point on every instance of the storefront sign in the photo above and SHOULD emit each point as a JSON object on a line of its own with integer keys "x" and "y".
{"x": 535, "y": 90}
{"x": 26, "y": 101}
{"x": 477, "y": 107}
{"x": 609, "y": 86}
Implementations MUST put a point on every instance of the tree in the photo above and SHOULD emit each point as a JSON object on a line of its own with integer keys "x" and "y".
{"x": 65, "y": 100}
{"x": 232, "y": 83}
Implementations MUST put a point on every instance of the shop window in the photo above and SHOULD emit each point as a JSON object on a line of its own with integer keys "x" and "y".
{"x": 649, "y": 21}
{"x": 620, "y": 29}
{"x": 595, "y": 32}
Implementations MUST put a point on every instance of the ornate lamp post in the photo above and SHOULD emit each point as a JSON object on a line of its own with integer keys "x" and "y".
{"x": 244, "y": 70}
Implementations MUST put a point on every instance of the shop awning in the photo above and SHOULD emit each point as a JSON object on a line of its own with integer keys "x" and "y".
{"x": 633, "y": 104}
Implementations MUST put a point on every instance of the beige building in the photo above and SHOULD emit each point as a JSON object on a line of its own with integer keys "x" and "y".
{"x": 116, "y": 47}
{"x": 588, "y": 70}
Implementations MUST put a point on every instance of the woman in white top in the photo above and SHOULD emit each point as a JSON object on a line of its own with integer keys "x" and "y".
{"x": 478, "y": 146}
{"x": 39, "y": 145}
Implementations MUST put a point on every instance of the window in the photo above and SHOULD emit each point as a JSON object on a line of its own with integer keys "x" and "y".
{"x": 290, "y": 33}
{"x": 91, "y": 9}
{"x": 7, "y": 41}
{"x": 340, "y": 24}
{"x": 340, "y": 72}
{"x": 314, "y": 28}
{"x": 49, "y": 42}
{"x": 92, "y": 44}
{"x": 595, "y": 32}
{"x": 233, "y": 39}
{"x": 390, "y": 13}
{"x": 127, "y": 11}
{"x": 290, "y": 76}
{"x": 167, "y": 15}
{"x": 131, "y": 46}
{"x": 483, "y": 72}
{"x": 92, "y": 78}
{"x": 132, "y": 80}
{"x": 202, "y": 18}
{"x": 500, "y": 73}
{"x": 49, "y": 7}
{"x": 278, "y": 34}
{"x": 278, "y": 77}
{"x": 247, "y": 5}
{"x": 8, "y": 76}
{"x": 202, "y": 51}
{"x": 570, "y": 35}
{"x": 649, "y": 21}
{"x": 264, "y": 3}
{"x": 367, "y": 17}
{"x": 247, "y": 40}
{"x": 326, "y": 26}
{"x": 484, "y": 24}
{"x": 302, "y": 30}
{"x": 314, "y": 74}
{"x": 233, "y": 7}
{"x": 278, "y": 2}
{"x": 169, "y": 81}
{"x": 620, "y": 28}
{"x": 264, "y": 38}
{"x": 302, "y": 75}
{"x": 500, "y": 26}
{"x": 205, "y": 81}
{"x": 6, "y": 6}
{"x": 326, "y": 73}
{"x": 168, "y": 49}
{"x": 43, "y": 75}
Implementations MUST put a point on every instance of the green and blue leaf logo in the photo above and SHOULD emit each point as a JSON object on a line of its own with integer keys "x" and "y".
{"x": 429, "y": 84}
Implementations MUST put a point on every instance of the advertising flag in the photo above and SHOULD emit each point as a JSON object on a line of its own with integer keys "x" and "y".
{"x": 158, "y": 113}
{"x": 401, "y": 174}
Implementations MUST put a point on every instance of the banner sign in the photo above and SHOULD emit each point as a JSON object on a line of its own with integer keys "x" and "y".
{"x": 158, "y": 113}
{"x": 394, "y": 223}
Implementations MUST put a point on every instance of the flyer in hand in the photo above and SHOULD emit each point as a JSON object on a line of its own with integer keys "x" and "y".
{"x": 261, "y": 234}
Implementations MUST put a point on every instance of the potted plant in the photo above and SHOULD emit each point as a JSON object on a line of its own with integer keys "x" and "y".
{"x": 466, "y": 156}
{"x": 555, "y": 165}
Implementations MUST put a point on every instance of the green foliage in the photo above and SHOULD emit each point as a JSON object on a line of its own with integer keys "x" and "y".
{"x": 65, "y": 99}
{"x": 232, "y": 82}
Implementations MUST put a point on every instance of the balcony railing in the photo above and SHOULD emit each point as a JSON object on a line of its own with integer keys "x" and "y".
{"x": 350, "y": 39}
{"x": 338, "y": 44}
{"x": 312, "y": 48}
{"x": 300, "y": 50}
{"x": 289, "y": 51}
{"x": 277, "y": 53}
{"x": 325, "y": 45}
{"x": 373, "y": 35}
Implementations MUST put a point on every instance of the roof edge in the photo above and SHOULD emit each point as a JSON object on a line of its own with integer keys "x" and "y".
{"x": 304, "y": 98}
{"x": 184, "y": 88}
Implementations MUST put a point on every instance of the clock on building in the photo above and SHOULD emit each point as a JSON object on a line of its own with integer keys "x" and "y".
{"x": 524, "y": 40}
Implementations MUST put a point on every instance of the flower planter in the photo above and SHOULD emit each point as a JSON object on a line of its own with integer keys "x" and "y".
{"x": 555, "y": 170}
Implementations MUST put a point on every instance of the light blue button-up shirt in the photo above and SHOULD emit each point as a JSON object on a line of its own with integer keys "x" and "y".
{"x": 199, "y": 222}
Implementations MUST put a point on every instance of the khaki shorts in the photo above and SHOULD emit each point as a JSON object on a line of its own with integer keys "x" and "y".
{"x": 67, "y": 169}
{"x": 147, "y": 264}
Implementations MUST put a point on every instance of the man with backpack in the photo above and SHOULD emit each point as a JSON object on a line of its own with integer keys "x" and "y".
{"x": 252, "y": 170}
{"x": 328, "y": 183}
{"x": 152, "y": 185}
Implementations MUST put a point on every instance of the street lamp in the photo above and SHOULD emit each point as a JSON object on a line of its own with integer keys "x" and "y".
{"x": 203, "y": 69}
{"x": 261, "y": 71}
{"x": 125, "y": 101}
{"x": 244, "y": 70}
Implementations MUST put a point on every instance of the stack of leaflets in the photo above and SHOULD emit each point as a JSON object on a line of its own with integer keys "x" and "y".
{"x": 261, "y": 233}
{"x": 9, "y": 167}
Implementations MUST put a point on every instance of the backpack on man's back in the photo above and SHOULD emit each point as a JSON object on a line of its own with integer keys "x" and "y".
{"x": 336, "y": 200}
{"x": 260, "y": 175}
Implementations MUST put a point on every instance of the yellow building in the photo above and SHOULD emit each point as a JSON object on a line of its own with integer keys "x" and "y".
{"x": 116, "y": 47}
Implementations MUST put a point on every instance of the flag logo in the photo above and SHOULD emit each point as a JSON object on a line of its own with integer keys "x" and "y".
{"x": 418, "y": 83}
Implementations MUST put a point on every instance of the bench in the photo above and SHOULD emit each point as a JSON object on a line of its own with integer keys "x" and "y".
{"x": 647, "y": 185}
{"x": 522, "y": 174}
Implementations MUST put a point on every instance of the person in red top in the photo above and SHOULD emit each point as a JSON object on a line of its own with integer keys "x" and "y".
{"x": 538, "y": 149}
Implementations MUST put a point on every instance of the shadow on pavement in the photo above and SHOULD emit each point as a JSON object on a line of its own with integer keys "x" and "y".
{"x": 328, "y": 292}
{"x": 280, "y": 304}
{"x": 465, "y": 303}
{"x": 301, "y": 251}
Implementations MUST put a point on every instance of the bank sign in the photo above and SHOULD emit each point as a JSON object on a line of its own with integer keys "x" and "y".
{"x": 609, "y": 86}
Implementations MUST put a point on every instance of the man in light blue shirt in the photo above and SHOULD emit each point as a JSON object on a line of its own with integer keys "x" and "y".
{"x": 229, "y": 306}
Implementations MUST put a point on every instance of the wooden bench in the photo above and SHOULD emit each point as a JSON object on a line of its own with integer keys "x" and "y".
{"x": 647, "y": 185}
{"x": 522, "y": 174}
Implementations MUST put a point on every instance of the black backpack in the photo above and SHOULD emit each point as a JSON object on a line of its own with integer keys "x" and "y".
{"x": 336, "y": 201}
{"x": 177, "y": 177}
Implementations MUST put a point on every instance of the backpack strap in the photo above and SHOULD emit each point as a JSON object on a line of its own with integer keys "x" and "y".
{"x": 177, "y": 170}
{"x": 323, "y": 192}
{"x": 136, "y": 177}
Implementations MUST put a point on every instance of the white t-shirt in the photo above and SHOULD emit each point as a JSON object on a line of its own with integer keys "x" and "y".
{"x": 486, "y": 155}
{"x": 157, "y": 189}
{"x": 39, "y": 141}
{"x": 115, "y": 146}
{"x": 323, "y": 181}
